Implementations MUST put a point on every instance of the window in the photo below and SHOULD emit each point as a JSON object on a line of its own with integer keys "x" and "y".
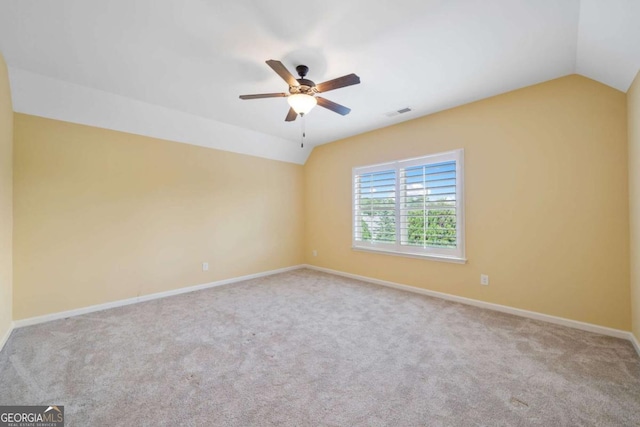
{"x": 411, "y": 207}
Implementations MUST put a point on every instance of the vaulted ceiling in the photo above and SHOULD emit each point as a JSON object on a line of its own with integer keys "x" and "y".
{"x": 174, "y": 69}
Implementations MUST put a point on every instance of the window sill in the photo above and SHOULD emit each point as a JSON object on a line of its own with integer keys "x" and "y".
{"x": 431, "y": 257}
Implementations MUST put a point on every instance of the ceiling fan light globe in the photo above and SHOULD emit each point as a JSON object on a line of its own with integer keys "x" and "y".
{"x": 302, "y": 103}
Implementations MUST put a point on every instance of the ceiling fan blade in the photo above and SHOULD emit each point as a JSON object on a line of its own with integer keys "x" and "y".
{"x": 348, "y": 80}
{"x": 282, "y": 71}
{"x": 263, "y": 95}
{"x": 291, "y": 115}
{"x": 330, "y": 105}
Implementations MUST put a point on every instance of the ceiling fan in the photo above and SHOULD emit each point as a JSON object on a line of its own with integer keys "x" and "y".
{"x": 302, "y": 92}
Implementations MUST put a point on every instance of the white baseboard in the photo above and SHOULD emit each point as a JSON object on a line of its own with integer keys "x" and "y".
{"x": 603, "y": 330}
{"x": 120, "y": 303}
{"x": 635, "y": 342}
{"x": 6, "y": 336}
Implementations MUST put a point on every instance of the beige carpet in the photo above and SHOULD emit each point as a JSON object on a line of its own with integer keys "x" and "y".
{"x": 305, "y": 349}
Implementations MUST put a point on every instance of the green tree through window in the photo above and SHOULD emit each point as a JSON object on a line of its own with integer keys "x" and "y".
{"x": 439, "y": 231}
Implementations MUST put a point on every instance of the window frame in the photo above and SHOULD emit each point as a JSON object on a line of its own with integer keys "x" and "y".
{"x": 456, "y": 255}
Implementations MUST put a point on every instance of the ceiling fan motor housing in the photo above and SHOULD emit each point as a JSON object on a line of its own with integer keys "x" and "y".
{"x": 306, "y": 86}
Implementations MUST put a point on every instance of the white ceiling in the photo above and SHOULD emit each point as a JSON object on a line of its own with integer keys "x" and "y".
{"x": 174, "y": 69}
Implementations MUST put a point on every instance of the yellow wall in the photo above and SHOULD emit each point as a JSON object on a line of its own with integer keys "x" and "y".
{"x": 6, "y": 199}
{"x": 633, "y": 120}
{"x": 102, "y": 215}
{"x": 545, "y": 192}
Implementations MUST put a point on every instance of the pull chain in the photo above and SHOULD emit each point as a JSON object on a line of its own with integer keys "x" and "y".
{"x": 304, "y": 133}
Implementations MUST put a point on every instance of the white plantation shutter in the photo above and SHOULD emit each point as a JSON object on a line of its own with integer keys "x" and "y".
{"x": 428, "y": 204}
{"x": 412, "y": 207}
{"x": 375, "y": 206}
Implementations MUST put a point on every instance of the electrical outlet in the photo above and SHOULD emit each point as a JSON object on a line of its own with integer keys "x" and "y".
{"x": 315, "y": 253}
{"x": 484, "y": 279}
{"x": 205, "y": 266}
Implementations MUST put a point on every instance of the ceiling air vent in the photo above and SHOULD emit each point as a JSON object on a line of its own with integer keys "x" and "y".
{"x": 398, "y": 112}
